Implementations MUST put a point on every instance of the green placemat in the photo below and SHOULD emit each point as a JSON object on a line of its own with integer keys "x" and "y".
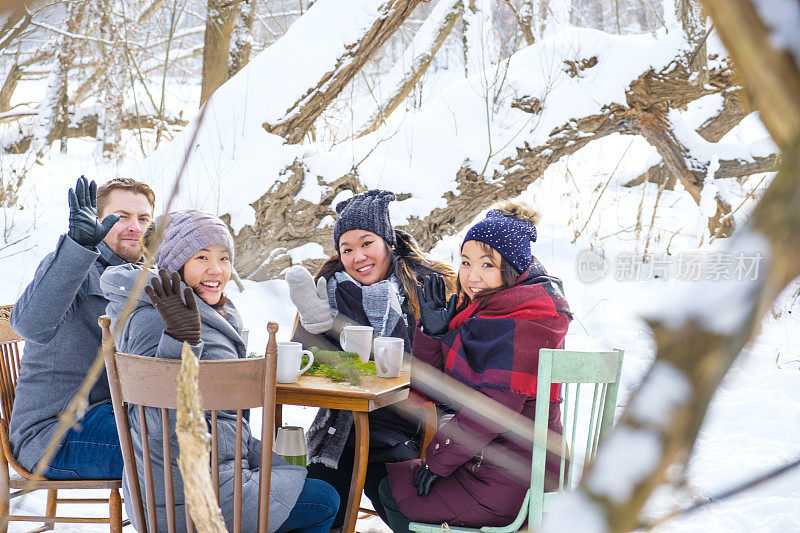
{"x": 339, "y": 365}
{"x": 336, "y": 365}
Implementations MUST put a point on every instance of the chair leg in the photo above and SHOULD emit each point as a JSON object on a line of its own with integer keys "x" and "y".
{"x": 50, "y": 509}
{"x": 5, "y": 495}
{"x": 115, "y": 512}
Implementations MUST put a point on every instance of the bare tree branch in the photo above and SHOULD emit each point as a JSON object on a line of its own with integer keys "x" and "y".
{"x": 418, "y": 57}
{"x": 300, "y": 117}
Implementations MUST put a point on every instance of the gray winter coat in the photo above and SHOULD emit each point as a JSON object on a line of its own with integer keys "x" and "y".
{"x": 143, "y": 334}
{"x": 57, "y": 315}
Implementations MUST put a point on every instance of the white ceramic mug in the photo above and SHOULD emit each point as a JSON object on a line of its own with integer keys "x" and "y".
{"x": 290, "y": 443}
{"x": 290, "y": 356}
{"x": 388, "y": 356}
{"x": 357, "y": 339}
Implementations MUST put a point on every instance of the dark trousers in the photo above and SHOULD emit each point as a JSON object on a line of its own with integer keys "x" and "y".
{"x": 340, "y": 477}
{"x": 394, "y": 517}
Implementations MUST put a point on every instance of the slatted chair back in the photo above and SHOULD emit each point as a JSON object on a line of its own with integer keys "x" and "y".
{"x": 225, "y": 385}
{"x": 16, "y": 485}
{"x": 10, "y": 344}
{"x": 590, "y": 383}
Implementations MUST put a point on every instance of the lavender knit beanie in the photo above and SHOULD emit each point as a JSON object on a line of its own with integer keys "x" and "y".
{"x": 189, "y": 231}
{"x": 368, "y": 211}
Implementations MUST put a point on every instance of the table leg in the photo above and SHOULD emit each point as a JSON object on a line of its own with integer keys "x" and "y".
{"x": 359, "y": 470}
{"x": 278, "y": 416}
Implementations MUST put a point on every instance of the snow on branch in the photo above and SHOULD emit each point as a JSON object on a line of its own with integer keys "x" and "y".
{"x": 415, "y": 60}
{"x": 700, "y": 333}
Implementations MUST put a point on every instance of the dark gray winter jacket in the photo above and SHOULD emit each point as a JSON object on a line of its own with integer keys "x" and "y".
{"x": 57, "y": 315}
{"x": 144, "y": 334}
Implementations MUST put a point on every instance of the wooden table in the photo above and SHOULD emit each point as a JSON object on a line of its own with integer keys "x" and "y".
{"x": 373, "y": 393}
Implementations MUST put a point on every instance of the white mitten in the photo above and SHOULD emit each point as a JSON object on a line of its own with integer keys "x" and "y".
{"x": 311, "y": 300}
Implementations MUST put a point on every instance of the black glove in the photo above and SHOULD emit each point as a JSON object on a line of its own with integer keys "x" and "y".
{"x": 83, "y": 225}
{"x": 182, "y": 319}
{"x": 435, "y": 313}
{"x": 424, "y": 480}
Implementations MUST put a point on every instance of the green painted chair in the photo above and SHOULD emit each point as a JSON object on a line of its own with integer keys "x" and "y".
{"x": 590, "y": 382}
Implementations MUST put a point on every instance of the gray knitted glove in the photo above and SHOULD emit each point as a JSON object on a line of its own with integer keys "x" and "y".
{"x": 311, "y": 300}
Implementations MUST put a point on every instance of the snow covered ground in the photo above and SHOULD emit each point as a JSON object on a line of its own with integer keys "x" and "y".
{"x": 592, "y": 234}
{"x": 754, "y": 421}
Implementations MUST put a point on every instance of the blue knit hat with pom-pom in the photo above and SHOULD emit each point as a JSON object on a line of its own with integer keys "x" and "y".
{"x": 510, "y": 236}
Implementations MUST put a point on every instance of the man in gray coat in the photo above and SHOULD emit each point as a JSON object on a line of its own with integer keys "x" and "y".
{"x": 57, "y": 315}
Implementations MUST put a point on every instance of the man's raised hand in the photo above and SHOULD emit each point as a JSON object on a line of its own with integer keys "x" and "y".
{"x": 83, "y": 225}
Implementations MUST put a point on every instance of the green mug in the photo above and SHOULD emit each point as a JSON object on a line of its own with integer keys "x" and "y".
{"x": 290, "y": 443}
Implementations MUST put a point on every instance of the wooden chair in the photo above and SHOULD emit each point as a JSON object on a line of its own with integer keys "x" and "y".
{"x": 9, "y": 372}
{"x": 235, "y": 384}
{"x": 587, "y": 416}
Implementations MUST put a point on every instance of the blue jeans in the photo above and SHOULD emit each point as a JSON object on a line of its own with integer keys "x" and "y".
{"x": 315, "y": 509}
{"x": 90, "y": 451}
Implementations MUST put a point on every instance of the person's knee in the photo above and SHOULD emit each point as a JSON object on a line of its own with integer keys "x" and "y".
{"x": 324, "y": 494}
{"x": 385, "y": 493}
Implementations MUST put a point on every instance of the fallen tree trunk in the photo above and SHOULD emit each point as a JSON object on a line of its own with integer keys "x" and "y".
{"x": 728, "y": 168}
{"x": 299, "y": 118}
{"x": 88, "y": 127}
{"x": 284, "y": 222}
{"x": 658, "y": 132}
{"x": 734, "y": 109}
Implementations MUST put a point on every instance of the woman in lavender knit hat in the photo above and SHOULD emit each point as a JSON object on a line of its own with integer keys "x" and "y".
{"x": 186, "y": 302}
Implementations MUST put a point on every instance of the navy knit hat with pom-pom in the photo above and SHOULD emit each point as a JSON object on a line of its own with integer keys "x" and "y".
{"x": 510, "y": 236}
{"x": 368, "y": 211}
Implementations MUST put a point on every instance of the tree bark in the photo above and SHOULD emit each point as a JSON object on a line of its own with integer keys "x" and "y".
{"x": 15, "y": 23}
{"x": 112, "y": 81}
{"x": 418, "y": 58}
{"x": 732, "y": 168}
{"x": 300, "y": 117}
{"x": 88, "y": 127}
{"x": 283, "y": 223}
{"x": 52, "y": 117}
{"x": 479, "y": 53}
{"x": 524, "y": 16}
{"x": 242, "y": 38}
{"x": 679, "y": 163}
{"x": 219, "y": 27}
{"x": 11, "y": 5}
{"x": 734, "y": 109}
{"x": 13, "y": 77}
{"x": 769, "y": 78}
{"x": 9, "y": 86}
